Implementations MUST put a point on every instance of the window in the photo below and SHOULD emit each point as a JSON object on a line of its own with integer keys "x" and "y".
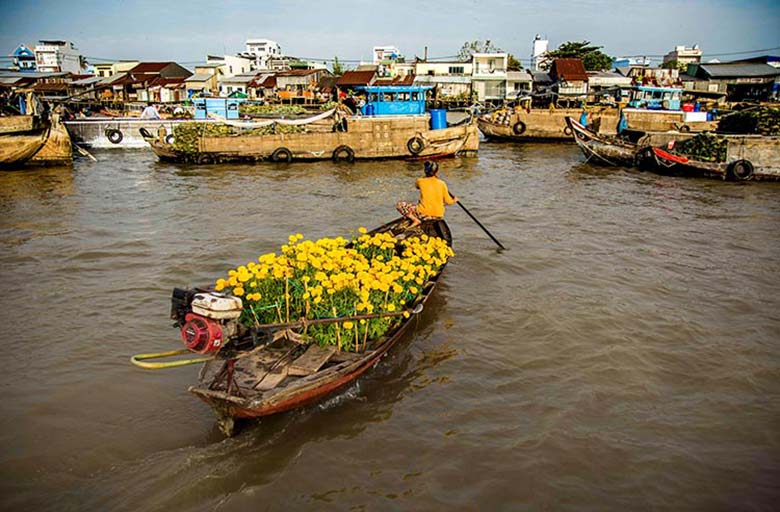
{"x": 431, "y": 72}
{"x": 456, "y": 70}
{"x": 231, "y": 69}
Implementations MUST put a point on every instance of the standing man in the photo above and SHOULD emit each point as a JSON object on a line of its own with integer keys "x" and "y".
{"x": 433, "y": 196}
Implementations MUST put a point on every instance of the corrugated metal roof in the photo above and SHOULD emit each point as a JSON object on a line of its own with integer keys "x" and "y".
{"x": 356, "y": 78}
{"x": 568, "y": 69}
{"x": 739, "y": 70}
{"x": 200, "y": 77}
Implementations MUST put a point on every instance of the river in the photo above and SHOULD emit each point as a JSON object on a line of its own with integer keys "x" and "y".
{"x": 622, "y": 354}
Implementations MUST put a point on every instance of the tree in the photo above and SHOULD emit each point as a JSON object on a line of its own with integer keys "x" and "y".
{"x": 592, "y": 57}
{"x": 338, "y": 69}
{"x": 470, "y": 48}
{"x": 512, "y": 64}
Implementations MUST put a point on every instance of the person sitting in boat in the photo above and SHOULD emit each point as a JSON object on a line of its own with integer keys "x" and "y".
{"x": 150, "y": 112}
{"x": 433, "y": 196}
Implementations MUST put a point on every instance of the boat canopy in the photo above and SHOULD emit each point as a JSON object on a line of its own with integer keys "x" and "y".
{"x": 382, "y": 100}
{"x": 656, "y": 98}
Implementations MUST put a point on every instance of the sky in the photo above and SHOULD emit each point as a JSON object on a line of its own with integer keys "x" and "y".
{"x": 187, "y": 31}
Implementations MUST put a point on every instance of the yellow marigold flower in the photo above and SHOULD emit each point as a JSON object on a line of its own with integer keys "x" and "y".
{"x": 306, "y": 295}
{"x": 348, "y": 325}
{"x": 220, "y": 285}
{"x": 391, "y": 307}
{"x": 406, "y": 314}
{"x": 238, "y": 291}
{"x": 362, "y": 230}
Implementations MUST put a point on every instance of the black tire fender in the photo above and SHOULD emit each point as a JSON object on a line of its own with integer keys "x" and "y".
{"x": 568, "y": 131}
{"x": 741, "y": 170}
{"x": 685, "y": 128}
{"x": 114, "y": 136}
{"x": 282, "y": 155}
{"x": 343, "y": 153}
{"x": 415, "y": 145}
{"x": 169, "y": 139}
{"x": 205, "y": 159}
{"x": 645, "y": 158}
{"x": 519, "y": 128}
{"x": 144, "y": 133}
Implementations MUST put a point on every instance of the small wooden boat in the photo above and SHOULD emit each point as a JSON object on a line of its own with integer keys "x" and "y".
{"x": 283, "y": 374}
{"x": 21, "y": 137}
{"x": 748, "y": 157}
{"x": 601, "y": 149}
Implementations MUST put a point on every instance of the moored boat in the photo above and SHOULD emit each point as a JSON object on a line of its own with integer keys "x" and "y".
{"x": 602, "y": 149}
{"x": 392, "y": 125}
{"x": 539, "y": 124}
{"x": 747, "y": 157}
{"x": 264, "y": 369}
{"x": 21, "y": 137}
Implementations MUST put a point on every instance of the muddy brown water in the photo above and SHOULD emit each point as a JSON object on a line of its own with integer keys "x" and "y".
{"x": 623, "y": 354}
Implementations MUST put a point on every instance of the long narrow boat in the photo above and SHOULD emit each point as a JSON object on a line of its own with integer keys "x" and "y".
{"x": 346, "y": 139}
{"x": 281, "y": 373}
{"x": 601, "y": 149}
{"x": 20, "y": 138}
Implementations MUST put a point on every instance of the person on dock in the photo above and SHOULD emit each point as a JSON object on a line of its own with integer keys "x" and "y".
{"x": 150, "y": 112}
{"x": 433, "y": 196}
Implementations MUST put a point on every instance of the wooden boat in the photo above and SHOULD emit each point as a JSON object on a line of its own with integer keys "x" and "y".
{"x": 20, "y": 138}
{"x": 58, "y": 149}
{"x": 748, "y": 157}
{"x": 347, "y": 139}
{"x": 284, "y": 375}
{"x": 601, "y": 149}
{"x": 542, "y": 125}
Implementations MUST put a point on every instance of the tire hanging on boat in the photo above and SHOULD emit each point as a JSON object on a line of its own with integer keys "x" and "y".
{"x": 144, "y": 133}
{"x": 205, "y": 159}
{"x": 685, "y": 128}
{"x": 741, "y": 170}
{"x": 415, "y": 145}
{"x": 645, "y": 159}
{"x": 169, "y": 139}
{"x": 282, "y": 155}
{"x": 519, "y": 128}
{"x": 114, "y": 136}
{"x": 567, "y": 131}
{"x": 343, "y": 153}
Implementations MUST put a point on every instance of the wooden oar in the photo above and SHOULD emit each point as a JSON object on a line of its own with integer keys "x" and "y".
{"x": 315, "y": 321}
{"x": 84, "y": 152}
{"x": 479, "y": 223}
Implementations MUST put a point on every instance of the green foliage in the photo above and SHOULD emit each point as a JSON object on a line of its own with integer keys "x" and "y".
{"x": 470, "y": 48}
{"x": 338, "y": 68}
{"x": 592, "y": 57}
{"x": 513, "y": 64}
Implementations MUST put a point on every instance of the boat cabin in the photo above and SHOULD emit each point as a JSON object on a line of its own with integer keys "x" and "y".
{"x": 383, "y": 100}
{"x": 656, "y": 98}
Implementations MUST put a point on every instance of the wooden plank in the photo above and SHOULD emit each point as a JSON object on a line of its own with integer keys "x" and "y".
{"x": 272, "y": 379}
{"x": 311, "y": 360}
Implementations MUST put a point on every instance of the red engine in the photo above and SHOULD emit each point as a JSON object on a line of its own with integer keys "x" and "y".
{"x": 201, "y": 334}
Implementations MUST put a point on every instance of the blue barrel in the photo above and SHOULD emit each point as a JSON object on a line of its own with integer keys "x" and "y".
{"x": 710, "y": 117}
{"x": 369, "y": 109}
{"x": 697, "y": 107}
{"x": 438, "y": 119}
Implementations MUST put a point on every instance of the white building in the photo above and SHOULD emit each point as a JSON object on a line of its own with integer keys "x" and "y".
{"x": 262, "y": 50}
{"x": 684, "y": 55}
{"x": 540, "y": 48}
{"x": 382, "y": 53}
{"x": 57, "y": 57}
{"x": 489, "y": 75}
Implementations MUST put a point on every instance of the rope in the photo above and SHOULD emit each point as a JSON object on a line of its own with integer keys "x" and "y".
{"x": 139, "y": 358}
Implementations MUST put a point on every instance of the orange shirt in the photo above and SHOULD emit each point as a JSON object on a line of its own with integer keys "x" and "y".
{"x": 433, "y": 196}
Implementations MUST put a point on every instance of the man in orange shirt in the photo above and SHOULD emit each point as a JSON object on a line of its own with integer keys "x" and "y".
{"x": 433, "y": 196}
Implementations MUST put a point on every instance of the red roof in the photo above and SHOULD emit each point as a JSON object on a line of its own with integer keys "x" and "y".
{"x": 569, "y": 70}
{"x": 150, "y": 67}
{"x": 165, "y": 81}
{"x": 356, "y": 78}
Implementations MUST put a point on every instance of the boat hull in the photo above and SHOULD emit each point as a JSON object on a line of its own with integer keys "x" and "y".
{"x": 542, "y": 125}
{"x": 602, "y": 150}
